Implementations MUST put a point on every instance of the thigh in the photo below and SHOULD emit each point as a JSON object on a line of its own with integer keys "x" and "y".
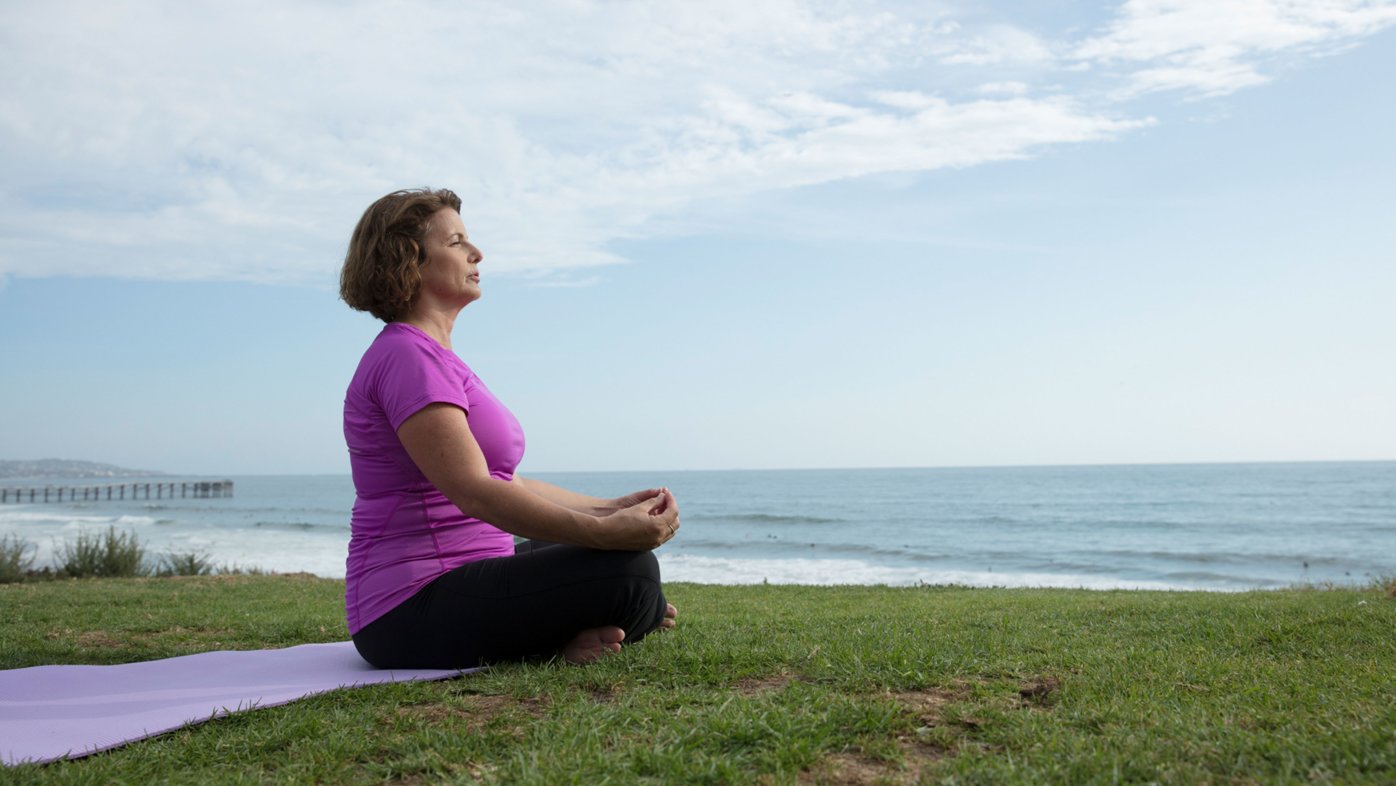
{"x": 550, "y": 569}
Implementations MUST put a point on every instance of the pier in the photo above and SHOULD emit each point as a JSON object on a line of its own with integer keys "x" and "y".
{"x": 106, "y": 491}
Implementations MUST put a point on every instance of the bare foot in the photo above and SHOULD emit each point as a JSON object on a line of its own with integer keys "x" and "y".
{"x": 592, "y": 643}
{"x": 669, "y": 614}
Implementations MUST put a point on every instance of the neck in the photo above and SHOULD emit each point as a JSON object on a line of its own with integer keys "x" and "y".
{"x": 437, "y": 324}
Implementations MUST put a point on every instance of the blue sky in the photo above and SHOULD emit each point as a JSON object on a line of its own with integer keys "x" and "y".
{"x": 716, "y": 235}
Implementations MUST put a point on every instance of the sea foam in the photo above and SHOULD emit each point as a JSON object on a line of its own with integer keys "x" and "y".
{"x": 719, "y": 570}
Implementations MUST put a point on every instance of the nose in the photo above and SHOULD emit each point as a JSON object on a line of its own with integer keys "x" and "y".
{"x": 477, "y": 253}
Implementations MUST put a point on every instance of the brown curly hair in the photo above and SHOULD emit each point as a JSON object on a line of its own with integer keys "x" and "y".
{"x": 381, "y": 274}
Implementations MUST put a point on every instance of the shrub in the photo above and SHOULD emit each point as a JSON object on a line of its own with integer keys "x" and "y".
{"x": 109, "y": 554}
{"x": 1386, "y": 584}
{"x": 190, "y": 564}
{"x": 234, "y": 569}
{"x": 16, "y": 558}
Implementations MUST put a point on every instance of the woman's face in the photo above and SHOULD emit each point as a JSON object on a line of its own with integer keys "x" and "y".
{"x": 450, "y": 275}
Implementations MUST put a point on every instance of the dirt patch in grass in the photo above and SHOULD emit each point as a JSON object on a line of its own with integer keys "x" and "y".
{"x": 94, "y": 639}
{"x": 474, "y": 711}
{"x": 854, "y": 769}
{"x": 923, "y": 747}
{"x": 751, "y": 686}
{"x": 432, "y": 714}
{"x": 476, "y": 771}
{"x": 98, "y": 639}
{"x": 928, "y": 703}
{"x": 180, "y": 632}
{"x": 493, "y": 704}
{"x": 1040, "y": 692}
{"x": 602, "y": 695}
{"x": 101, "y": 639}
{"x": 928, "y": 706}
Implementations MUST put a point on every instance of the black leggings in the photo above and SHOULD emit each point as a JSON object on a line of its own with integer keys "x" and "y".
{"x": 511, "y": 608}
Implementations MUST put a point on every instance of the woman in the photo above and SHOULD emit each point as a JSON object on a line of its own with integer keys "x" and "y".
{"x": 434, "y": 579}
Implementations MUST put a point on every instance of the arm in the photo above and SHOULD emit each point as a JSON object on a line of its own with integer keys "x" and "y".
{"x": 438, "y": 439}
{"x": 583, "y": 503}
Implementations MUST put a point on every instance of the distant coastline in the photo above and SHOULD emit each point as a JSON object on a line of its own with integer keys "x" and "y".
{"x": 68, "y": 469}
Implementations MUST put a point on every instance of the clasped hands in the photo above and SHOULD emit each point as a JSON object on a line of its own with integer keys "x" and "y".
{"x": 639, "y": 521}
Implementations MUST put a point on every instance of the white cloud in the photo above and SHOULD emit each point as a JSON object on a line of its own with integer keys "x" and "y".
{"x": 164, "y": 139}
{"x": 1000, "y": 45}
{"x": 1217, "y": 46}
{"x": 1008, "y": 88}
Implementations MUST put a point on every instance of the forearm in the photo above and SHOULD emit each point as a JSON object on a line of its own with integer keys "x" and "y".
{"x": 519, "y": 510}
{"x": 580, "y": 503}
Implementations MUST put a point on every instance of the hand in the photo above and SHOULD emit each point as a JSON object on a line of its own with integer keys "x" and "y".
{"x": 645, "y": 525}
{"x": 629, "y": 500}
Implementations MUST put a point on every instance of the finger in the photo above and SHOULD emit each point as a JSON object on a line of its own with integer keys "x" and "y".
{"x": 659, "y": 504}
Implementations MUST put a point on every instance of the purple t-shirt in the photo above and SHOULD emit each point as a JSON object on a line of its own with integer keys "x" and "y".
{"x": 405, "y": 533}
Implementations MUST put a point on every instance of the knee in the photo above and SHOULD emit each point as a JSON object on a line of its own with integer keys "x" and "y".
{"x": 641, "y": 564}
{"x": 633, "y": 567}
{"x": 634, "y": 575}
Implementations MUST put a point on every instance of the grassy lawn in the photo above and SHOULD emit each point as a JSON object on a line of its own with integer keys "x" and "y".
{"x": 778, "y": 684}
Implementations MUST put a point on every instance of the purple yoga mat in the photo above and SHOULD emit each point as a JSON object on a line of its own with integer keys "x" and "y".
{"x": 55, "y": 712}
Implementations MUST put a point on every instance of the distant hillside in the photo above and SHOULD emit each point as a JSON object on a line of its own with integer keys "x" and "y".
{"x": 68, "y": 468}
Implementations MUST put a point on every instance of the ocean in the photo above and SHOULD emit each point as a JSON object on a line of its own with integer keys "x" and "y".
{"x": 1164, "y": 527}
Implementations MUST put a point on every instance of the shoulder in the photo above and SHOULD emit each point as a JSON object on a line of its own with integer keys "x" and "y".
{"x": 398, "y": 343}
{"x": 404, "y": 355}
{"x": 396, "y": 336}
{"x": 404, "y": 370}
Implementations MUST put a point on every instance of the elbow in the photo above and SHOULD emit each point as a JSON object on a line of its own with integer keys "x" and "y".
{"x": 477, "y": 497}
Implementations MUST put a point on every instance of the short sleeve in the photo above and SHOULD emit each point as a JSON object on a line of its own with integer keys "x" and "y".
{"x": 409, "y": 375}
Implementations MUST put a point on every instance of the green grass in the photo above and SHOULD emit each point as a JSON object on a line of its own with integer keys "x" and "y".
{"x": 770, "y": 684}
